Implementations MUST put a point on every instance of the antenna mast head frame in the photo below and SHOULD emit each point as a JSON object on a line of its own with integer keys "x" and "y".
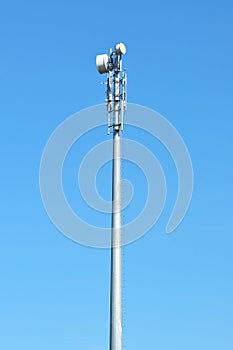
{"x": 116, "y": 81}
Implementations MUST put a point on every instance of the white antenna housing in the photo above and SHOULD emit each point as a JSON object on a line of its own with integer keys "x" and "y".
{"x": 102, "y": 63}
{"x": 120, "y": 48}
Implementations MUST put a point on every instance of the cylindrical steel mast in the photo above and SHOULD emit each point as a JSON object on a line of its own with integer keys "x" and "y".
{"x": 116, "y": 104}
{"x": 116, "y": 256}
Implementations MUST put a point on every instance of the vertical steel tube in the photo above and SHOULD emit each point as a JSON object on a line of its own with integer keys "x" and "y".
{"x": 116, "y": 250}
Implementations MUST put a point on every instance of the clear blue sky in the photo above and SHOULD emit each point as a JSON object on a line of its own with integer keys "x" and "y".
{"x": 54, "y": 293}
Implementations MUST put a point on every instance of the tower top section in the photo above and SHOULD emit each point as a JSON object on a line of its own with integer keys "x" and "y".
{"x": 108, "y": 62}
{"x": 116, "y": 85}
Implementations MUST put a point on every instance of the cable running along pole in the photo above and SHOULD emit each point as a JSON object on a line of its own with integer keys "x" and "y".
{"x": 116, "y": 104}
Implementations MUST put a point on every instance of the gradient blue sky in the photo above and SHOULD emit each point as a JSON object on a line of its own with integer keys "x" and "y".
{"x": 178, "y": 290}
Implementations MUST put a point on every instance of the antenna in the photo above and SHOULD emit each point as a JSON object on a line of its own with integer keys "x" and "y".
{"x": 116, "y": 83}
{"x": 116, "y": 105}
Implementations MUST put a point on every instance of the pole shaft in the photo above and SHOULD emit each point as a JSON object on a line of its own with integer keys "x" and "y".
{"x": 116, "y": 250}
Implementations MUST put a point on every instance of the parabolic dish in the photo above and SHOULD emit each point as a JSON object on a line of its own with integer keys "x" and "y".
{"x": 102, "y": 63}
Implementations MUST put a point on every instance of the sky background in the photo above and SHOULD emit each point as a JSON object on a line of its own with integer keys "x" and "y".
{"x": 178, "y": 288}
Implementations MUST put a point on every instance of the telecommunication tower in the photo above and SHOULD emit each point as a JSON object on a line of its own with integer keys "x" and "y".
{"x": 116, "y": 105}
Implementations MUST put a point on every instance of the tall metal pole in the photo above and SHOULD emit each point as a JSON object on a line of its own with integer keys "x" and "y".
{"x": 116, "y": 250}
{"x": 116, "y": 104}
